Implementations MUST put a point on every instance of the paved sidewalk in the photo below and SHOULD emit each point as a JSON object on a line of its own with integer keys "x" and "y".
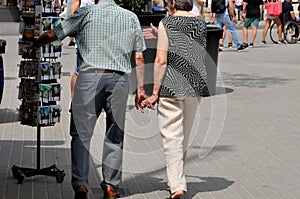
{"x": 252, "y": 122}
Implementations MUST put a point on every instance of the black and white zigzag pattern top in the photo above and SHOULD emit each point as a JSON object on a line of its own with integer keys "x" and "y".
{"x": 185, "y": 73}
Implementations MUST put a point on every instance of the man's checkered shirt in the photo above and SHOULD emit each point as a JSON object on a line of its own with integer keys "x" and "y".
{"x": 106, "y": 35}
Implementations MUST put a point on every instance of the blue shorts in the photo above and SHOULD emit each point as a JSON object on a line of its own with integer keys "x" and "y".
{"x": 238, "y": 7}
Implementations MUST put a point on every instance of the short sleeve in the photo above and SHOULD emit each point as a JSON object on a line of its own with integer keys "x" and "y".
{"x": 139, "y": 41}
{"x": 70, "y": 25}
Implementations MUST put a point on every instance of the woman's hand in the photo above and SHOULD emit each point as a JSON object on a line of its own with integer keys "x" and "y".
{"x": 150, "y": 102}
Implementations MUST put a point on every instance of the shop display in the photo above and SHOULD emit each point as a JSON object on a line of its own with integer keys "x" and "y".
{"x": 39, "y": 72}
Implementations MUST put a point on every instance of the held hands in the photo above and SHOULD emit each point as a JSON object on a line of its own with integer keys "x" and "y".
{"x": 142, "y": 101}
{"x": 139, "y": 98}
{"x": 150, "y": 102}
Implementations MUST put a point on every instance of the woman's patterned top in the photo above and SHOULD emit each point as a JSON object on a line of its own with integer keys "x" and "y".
{"x": 185, "y": 73}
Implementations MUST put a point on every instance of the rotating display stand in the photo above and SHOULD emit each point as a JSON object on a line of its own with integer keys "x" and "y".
{"x": 39, "y": 70}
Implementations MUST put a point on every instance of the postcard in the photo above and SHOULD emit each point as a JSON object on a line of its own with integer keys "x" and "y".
{"x": 55, "y": 92}
{"x": 44, "y": 115}
{"x": 45, "y": 92}
{"x": 55, "y": 113}
{"x": 45, "y": 70}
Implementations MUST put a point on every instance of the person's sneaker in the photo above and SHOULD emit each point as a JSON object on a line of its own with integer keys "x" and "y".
{"x": 263, "y": 42}
{"x": 251, "y": 45}
{"x": 229, "y": 45}
{"x": 221, "y": 46}
{"x": 281, "y": 41}
{"x": 242, "y": 46}
{"x": 72, "y": 43}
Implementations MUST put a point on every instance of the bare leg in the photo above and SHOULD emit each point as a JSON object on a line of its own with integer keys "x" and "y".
{"x": 73, "y": 81}
{"x": 230, "y": 37}
{"x": 223, "y": 37}
{"x": 254, "y": 33}
{"x": 279, "y": 27}
{"x": 267, "y": 26}
{"x": 245, "y": 34}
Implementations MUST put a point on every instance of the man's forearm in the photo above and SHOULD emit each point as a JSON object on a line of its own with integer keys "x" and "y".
{"x": 260, "y": 11}
{"x": 140, "y": 70}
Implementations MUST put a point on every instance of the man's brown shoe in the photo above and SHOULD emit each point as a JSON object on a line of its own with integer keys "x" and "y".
{"x": 110, "y": 192}
{"x": 81, "y": 192}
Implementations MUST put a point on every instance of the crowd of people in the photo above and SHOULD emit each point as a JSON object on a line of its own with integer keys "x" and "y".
{"x": 107, "y": 37}
{"x": 250, "y": 13}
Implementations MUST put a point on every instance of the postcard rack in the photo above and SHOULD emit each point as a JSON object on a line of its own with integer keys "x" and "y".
{"x": 39, "y": 90}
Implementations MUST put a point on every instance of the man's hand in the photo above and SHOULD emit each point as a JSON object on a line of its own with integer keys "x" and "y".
{"x": 44, "y": 39}
{"x": 150, "y": 33}
{"x": 139, "y": 98}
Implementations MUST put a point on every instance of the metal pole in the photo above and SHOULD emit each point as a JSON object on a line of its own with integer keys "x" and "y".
{"x": 38, "y": 148}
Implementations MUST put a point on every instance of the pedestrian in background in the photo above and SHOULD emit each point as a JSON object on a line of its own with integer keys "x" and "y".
{"x": 222, "y": 40}
{"x": 288, "y": 13}
{"x": 75, "y": 4}
{"x": 252, "y": 13}
{"x": 238, "y": 7}
{"x": 268, "y": 20}
{"x": 229, "y": 19}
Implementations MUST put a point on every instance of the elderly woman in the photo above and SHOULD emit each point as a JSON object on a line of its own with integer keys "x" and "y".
{"x": 179, "y": 83}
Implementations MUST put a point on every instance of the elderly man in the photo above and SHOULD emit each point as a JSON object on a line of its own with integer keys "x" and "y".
{"x": 106, "y": 36}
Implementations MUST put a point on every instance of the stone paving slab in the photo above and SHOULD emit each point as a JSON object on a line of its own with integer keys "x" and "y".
{"x": 254, "y": 155}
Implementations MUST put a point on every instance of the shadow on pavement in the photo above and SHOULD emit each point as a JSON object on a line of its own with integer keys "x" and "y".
{"x": 8, "y": 115}
{"x": 252, "y": 81}
{"x": 23, "y": 154}
{"x": 10, "y": 78}
{"x": 208, "y": 184}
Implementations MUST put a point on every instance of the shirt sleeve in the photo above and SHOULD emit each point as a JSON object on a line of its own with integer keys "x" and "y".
{"x": 139, "y": 41}
{"x": 71, "y": 25}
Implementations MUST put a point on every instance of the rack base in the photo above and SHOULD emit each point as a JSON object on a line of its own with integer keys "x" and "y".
{"x": 20, "y": 172}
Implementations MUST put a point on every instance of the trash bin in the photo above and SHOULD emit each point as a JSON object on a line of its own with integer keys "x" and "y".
{"x": 214, "y": 34}
{"x": 2, "y": 46}
{"x": 2, "y": 51}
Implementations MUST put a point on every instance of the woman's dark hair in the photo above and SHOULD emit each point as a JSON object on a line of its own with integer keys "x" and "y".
{"x": 185, "y": 5}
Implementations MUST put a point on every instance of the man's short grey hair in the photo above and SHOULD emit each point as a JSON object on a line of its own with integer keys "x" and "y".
{"x": 185, "y": 5}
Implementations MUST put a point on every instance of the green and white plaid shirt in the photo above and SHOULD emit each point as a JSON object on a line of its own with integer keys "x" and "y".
{"x": 106, "y": 36}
